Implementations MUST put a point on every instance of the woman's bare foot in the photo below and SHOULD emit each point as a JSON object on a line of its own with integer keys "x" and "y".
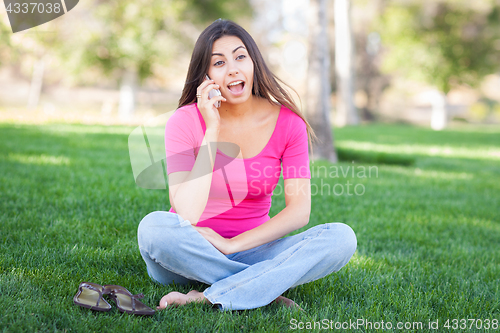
{"x": 175, "y": 298}
{"x": 287, "y": 302}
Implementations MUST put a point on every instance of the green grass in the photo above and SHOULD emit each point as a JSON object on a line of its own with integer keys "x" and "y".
{"x": 428, "y": 234}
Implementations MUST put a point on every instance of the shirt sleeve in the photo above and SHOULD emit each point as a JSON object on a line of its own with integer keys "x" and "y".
{"x": 180, "y": 142}
{"x": 295, "y": 158}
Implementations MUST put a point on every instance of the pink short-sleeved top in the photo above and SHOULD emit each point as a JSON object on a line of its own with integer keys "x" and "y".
{"x": 241, "y": 189}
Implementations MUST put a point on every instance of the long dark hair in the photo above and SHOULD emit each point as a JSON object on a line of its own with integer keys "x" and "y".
{"x": 265, "y": 83}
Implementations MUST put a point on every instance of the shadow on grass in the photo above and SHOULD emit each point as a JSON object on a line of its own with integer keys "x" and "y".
{"x": 359, "y": 156}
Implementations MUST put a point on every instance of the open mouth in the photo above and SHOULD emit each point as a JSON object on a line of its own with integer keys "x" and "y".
{"x": 236, "y": 87}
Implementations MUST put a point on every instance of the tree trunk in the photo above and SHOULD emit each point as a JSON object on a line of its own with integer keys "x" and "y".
{"x": 318, "y": 82}
{"x": 344, "y": 57}
{"x": 263, "y": 23}
{"x": 128, "y": 91}
{"x": 439, "y": 117}
{"x": 36, "y": 84}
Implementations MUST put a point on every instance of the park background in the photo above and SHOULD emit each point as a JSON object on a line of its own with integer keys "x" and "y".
{"x": 415, "y": 94}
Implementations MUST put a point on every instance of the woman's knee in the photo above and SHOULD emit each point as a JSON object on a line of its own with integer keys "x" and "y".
{"x": 344, "y": 238}
{"x": 154, "y": 224}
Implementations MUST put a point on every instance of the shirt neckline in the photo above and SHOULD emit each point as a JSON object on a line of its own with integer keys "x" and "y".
{"x": 265, "y": 147}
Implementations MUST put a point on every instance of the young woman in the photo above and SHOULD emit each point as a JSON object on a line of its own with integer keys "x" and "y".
{"x": 218, "y": 230}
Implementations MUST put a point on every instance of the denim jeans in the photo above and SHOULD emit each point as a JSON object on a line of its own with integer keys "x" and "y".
{"x": 175, "y": 252}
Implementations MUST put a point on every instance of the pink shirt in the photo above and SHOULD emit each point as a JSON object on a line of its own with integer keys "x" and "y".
{"x": 241, "y": 189}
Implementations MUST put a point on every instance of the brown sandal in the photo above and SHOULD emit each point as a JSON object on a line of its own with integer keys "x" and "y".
{"x": 126, "y": 302}
{"x": 89, "y": 296}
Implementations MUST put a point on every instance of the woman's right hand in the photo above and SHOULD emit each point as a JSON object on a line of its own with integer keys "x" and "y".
{"x": 207, "y": 106}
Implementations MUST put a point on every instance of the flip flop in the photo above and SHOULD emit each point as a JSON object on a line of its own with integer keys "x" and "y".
{"x": 89, "y": 296}
{"x": 126, "y": 302}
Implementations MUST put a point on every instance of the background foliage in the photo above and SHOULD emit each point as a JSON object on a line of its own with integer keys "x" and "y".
{"x": 445, "y": 44}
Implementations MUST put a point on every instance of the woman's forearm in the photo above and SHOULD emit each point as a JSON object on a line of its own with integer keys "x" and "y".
{"x": 289, "y": 219}
{"x": 191, "y": 197}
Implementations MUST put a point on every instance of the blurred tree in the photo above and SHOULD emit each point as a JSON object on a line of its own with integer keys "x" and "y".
{"x": 27, "y": 46}
{"x": 444, "y": 43}
{"x": 344, "y": 64}
{"x": 318, "y": 81}
{"x": 126, "y": 39}
{"x": 5, "y": 46}
{"x": 38, "y": 46}
{"x": 369, "y": 79}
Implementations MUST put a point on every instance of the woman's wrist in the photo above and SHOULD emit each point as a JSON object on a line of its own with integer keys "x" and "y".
{"x": 212, "y": 131}
{"x": 232, "y": 246}
{"x": 211, "y": 136}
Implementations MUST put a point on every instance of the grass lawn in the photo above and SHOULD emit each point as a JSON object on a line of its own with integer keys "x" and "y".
{"x": 428, "y": 233}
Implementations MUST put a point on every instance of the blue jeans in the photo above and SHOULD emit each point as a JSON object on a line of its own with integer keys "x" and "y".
{"x": 175, "y": 252}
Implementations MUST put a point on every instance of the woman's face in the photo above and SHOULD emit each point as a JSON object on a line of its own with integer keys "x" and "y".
{"x": 232, "y": 69}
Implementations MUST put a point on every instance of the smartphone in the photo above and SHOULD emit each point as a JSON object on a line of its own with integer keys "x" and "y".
{"x": 214, "y": 92}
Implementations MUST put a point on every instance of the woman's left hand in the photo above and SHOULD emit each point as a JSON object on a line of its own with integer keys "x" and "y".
{"x": 222, "y": 244}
